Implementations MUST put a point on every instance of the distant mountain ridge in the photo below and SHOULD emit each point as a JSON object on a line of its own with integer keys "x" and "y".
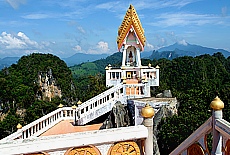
{"x": 8, "y": 61}
{"x": 185, "y": 49}
{"x": 82, "y": 57}
{"x": 170, "y": 52}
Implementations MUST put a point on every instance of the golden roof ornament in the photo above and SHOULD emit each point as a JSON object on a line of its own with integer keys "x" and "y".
{"x": 79, "y": 102}
{"x": 131, "y": 20}
{"x": 19, "y": 126}
{"x": 147, "y": 111}
{"x": 157, "y": 67}
{"x": 217, "y": 104}
{"x": 74, "y": 107}
{"x": 60, "y": 105}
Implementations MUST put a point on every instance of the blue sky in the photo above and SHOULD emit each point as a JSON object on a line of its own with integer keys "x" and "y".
{"x": 66, "y": 27}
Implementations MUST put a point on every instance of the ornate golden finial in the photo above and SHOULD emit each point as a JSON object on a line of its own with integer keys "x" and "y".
{"x": 74, "y": 107}
{"x": 60, "y": 105}
{"x": 157, "y": 67}
{"x": 147, "y": 111}
{"x": 217, "y": 104}
{"x": 149, "y": 65}
{"x": 79, "y": 102}
{"x": 19, "y": 126}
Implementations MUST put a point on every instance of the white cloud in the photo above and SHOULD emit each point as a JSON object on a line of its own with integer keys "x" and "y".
{"x": 20, "y": 44}
{"x": 182, "y": 42}
{"x": 118, "y": 6}
{"x": 101, "y": 48}
{"x": 10, "y": 41}
{"x": 81, "y": 29}
{"x": 15, "y": 3}
{"x": 38, "y": 16}
{"x": 185, "y": 19}
{"x": 19, "y": 41}
{"x": 77, "y": 48}
{"x": 149, "y": 46}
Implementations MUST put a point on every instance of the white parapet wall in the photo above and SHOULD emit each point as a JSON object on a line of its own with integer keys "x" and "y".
{"x": 102, "y": 139}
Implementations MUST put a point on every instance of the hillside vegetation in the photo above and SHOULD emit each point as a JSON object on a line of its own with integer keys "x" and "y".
{"x": 18, "y": 89}
{"x": 195, "y": 81}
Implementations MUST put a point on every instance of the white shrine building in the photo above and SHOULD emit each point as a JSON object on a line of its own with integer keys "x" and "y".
{"x": 136, "y": 79}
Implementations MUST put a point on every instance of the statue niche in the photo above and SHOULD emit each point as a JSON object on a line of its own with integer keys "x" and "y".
{"x": 130, "y": 59}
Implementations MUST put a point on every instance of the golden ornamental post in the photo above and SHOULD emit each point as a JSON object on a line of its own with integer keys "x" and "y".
{"x": 217, "y": 105}
{"x": 148, "y": 112}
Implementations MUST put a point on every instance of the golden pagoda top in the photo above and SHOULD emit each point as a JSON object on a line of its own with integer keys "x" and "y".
{"x": 130, "y": 20}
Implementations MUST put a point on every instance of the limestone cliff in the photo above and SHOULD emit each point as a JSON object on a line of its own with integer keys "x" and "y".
{"x": 119, "y": 117}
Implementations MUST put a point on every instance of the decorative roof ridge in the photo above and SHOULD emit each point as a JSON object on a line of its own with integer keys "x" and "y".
{"x": 131, "y": 18}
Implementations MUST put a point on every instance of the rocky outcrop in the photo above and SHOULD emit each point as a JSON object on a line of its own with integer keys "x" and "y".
{"x": 119, "y": 117}
{"x": 122, "y": 115}
{"x": 165, "y": 94}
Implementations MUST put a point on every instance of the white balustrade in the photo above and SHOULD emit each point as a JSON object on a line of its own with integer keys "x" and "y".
{"x": 66, "y": 141}
{"x": 86, "y": 112}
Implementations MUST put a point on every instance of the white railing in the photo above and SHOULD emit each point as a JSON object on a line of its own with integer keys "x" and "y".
{"x": 63, "y": 142}
{"x": 99, "y": 105}
{"x": 42, "y": 124}
{"x": 194, "y": 137}
{"x": 86, "y": 112}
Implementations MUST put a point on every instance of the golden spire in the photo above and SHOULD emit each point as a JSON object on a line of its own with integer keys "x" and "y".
{"x": 130, "y": 20}
{"x": 217, "y": 104}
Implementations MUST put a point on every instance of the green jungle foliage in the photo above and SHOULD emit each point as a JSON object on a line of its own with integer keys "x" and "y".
{"x": 18, "y": 90}
{"x": 98, "y": 66}
{"x": 195, "y": 81}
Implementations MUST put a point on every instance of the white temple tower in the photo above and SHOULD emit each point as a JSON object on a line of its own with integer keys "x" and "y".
{"x": 137, "y": 79}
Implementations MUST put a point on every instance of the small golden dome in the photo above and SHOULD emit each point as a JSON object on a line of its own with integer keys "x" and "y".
{"x": 157, "y": 67}
{"x": 60, "y": 105}
{"x": 149, "y": 65}
{"x": 217, "y": 104}
{"x": 19, "y": 126}
{"x": 79, "y": 102}
{"x": 74, "y": 107}
{"x": 147, "y": 111}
